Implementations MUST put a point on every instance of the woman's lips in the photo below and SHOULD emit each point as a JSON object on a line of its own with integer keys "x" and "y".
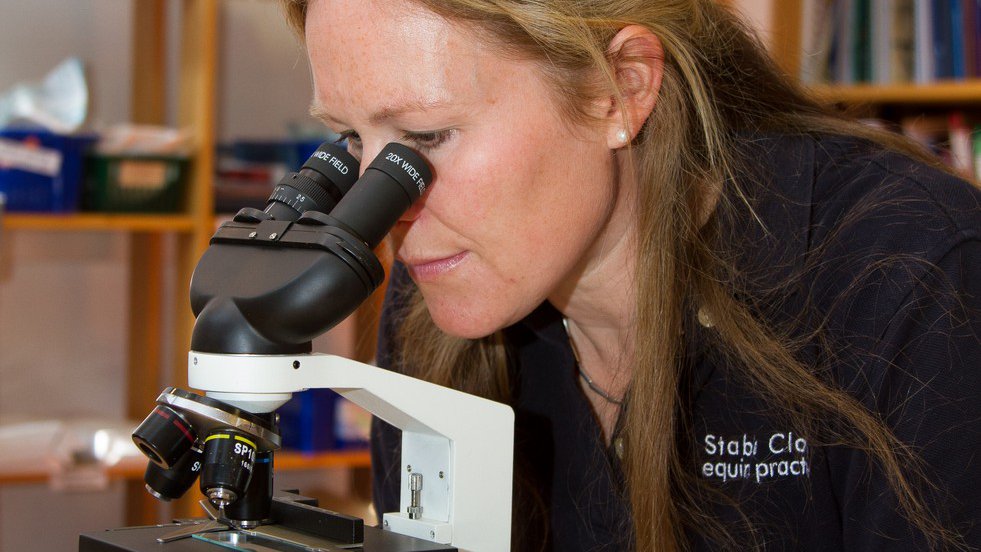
{"x": 426, "y": 270}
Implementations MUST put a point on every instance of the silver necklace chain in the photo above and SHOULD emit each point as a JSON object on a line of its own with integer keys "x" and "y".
{"x": 582, "y": 373}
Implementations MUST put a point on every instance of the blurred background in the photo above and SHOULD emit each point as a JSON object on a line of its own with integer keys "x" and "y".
{"x": 93, "y": 278}
{"x": 193, "y": 109}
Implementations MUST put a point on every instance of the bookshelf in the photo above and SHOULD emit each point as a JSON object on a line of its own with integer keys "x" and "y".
{"x": 164, "y": 244}
{"x": 99, "y": 222}
{"x": 787, "y": 47}
{"x": 942, "y": 115}
{"x": 939, "y": 94}
{"x": 149, "y": 260}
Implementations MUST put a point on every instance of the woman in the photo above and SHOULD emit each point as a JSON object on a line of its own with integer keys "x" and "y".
{"x": 725, "y": 317}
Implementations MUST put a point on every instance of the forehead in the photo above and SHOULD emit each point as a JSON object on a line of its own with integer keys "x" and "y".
{"x": 382, "y": 52}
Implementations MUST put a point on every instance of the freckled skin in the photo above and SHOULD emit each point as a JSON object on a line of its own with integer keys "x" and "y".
{"x": 524, "y": 202}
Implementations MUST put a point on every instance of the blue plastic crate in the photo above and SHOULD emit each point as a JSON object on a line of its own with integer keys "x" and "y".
{"x": 41, "y": 171}
{"x": 300, "y": 151}
{"x": 319, "y": 419}
{"x": 291, "y": 153}
{"x": 306, "y": 422}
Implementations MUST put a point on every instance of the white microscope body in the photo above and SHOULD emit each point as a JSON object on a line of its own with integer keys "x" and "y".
{"x": 460, "y": 445}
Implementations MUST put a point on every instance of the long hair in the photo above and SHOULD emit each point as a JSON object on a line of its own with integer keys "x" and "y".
{"x": 718, "y": 84}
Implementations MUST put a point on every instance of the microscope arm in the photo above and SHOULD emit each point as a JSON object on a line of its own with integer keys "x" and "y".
{"x": 461, "y": 445}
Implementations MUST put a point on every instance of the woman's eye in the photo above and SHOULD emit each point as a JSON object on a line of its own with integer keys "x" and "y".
{"x": 353, "y": 141}
{"x": 428, "y": 140}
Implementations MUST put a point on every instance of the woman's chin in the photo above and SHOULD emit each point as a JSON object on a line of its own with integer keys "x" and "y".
{"x": 463, "y": 323}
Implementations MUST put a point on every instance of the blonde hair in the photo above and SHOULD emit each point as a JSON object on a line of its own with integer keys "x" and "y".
{"x": 717, "y": 84}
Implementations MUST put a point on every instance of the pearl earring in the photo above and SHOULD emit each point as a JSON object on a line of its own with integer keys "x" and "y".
{"x": 622, "y": 136}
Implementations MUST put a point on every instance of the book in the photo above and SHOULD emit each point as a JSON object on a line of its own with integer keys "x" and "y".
{"x": 862, "y": 41}
{"x": 957, "y": 62}
{"x": 973, "y": 35}
{"x": 942, "y": 38}
{"x": 881, "y": 29}
{"x": 969, "y": 40}
{"x": 947, "y": 136}
{"x": 817, "y": 22}
{"x": 903, "y": 41}
{"x": 959, "y": 136}
{"x": 843, "y": 59}
{"x": 976, "y": 145}
{"x": 923, "y": 42}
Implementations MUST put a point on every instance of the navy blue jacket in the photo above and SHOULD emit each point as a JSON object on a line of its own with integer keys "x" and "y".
{"x": 884, "y": 254}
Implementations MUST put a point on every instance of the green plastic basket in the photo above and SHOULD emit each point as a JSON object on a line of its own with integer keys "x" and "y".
{"x": 134, "y": 183}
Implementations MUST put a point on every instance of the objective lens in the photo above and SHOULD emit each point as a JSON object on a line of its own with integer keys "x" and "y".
{"x": 171, "y": 484}
{"x": 164, "y": 436}
{"x": 229, "y": 459}
{"x": 322, "y": 181}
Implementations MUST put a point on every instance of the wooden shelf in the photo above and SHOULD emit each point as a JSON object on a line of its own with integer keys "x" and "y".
{"x": 939, "y": 93}
{"x": 99, "y": 221}
{"x": 292, "y": 461}
{"x": 285, "y": 461}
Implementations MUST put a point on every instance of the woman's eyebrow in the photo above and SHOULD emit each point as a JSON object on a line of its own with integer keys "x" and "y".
{"x": 318, "y": 111}
{"x": 395, "y": 110}
{"x": 386, "y": 113}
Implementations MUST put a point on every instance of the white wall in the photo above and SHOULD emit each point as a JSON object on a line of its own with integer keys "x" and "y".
{"x": 36, "y": 35}
{"x": 264, "y": 80}
{"x": 759, "y": 14}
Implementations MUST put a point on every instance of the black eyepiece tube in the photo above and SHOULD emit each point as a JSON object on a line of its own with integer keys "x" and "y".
{"x": 305, "y": 275}
{"x": 324, "y": 178}
{"x": 393, "y": 181}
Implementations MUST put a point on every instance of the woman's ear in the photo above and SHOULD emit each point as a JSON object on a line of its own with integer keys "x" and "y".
{"x": 637, "y": 60}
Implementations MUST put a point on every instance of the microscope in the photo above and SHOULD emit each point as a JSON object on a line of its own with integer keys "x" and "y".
{"x": 270, "y": 282}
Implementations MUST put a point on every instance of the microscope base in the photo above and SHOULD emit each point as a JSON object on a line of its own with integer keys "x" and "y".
{"x": 143, "y": 539}
{"x": 300, "y": 526}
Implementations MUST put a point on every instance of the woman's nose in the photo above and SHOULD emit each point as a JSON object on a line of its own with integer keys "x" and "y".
{"x": 366, "y": 158}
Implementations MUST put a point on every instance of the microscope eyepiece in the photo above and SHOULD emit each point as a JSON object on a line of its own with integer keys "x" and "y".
{"x": 334, "y": 164}
{"x": 393, "y": 181}
{"x": 306, "y": 274}
{"x": 322, "y": 181}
